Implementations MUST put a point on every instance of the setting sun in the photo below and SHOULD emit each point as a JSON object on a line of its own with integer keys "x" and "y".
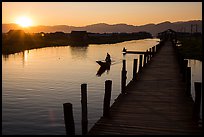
{"x": 24, "y": 21}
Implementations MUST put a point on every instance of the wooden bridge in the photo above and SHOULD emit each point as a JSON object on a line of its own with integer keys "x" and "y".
{"x": 154, "y": 104}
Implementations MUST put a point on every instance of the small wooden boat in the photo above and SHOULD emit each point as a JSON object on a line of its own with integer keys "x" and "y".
{"x": 103, "y": 63}
{"x": 103, "y": 67}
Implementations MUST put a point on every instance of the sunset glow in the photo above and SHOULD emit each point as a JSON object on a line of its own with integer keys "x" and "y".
{"x": 24, "y": 21}
{"x": 86, "y": 13}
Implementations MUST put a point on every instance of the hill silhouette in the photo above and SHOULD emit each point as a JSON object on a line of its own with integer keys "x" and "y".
{"x": 181, "y": 26}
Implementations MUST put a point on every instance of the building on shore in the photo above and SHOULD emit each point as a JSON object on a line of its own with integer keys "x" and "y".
{"x": 79, "y": 36}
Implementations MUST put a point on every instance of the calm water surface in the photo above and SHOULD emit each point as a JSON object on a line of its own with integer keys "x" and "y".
{"x": 36, "y": 83}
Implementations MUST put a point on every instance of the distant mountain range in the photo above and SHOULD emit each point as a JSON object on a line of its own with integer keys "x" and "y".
{"x": 182, "y": 26}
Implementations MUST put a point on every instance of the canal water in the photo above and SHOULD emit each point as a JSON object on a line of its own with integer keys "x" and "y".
{"x": 36, "y": 83}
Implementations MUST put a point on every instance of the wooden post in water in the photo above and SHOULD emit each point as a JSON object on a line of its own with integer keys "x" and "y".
{"x": 69, "y": 119}
{"x": 188, "y": 81}
{"x": 185, "y": 64}
{"x": 124, "y": 65}
{"x": 153, "y": 50}
{"x": 196, "y": 109}
{"x": 156, "y": 47}
{"x": 148, "y": 56}
{"x": 150, "y": 50}
{"x": 134, "y": 70}
{"x": 181, "y": 62}
{"x": 84, "y": 121}
{"x": 107, "y": 97}
{"x": 140, "y": 64}
{"x": 144, "y": 60}
{"x": 124, "y": 77}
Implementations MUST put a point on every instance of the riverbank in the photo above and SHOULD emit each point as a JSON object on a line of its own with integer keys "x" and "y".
{"x": 17, "y": 40}
{"x": 191, "y": 47}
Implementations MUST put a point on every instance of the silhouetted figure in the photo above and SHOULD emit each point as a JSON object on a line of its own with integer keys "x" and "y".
{"x": 124, "y": 49}
{"x": 104, "y": 65}
{"x": 108, "y": 58}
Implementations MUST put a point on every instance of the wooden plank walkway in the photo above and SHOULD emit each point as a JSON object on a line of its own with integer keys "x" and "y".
{"x": 156, "y": 104}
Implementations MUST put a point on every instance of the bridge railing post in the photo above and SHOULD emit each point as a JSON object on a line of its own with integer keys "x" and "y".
{"x": 124, "y": 77}
{"x": 140, "y": 63}
{"x": 134, "y": 70}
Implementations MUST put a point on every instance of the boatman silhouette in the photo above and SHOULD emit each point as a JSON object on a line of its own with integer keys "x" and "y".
{"x": 108, "y": 58}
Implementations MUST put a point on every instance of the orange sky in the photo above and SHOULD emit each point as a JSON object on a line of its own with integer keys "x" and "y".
{"x": 86, "y": 13}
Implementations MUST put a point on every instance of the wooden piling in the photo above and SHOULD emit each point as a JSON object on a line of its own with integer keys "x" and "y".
{"x": 84, "y": 120}
{"x": 156, "y": 47}
{"x": 150, "y": 50}
{"x": 181, "y": 62}
{"x": 69, "y": 119}
{"x": 107, "y": 97}
{"x": 124, "y": 77}
{"x": 148, "y": 56}
{"x": 134, "y": 70}
{"x": 188, "y": 81}
{"x": 144, "y": 60}
{"x": 124, "y": 65}
{"x": 185, "y": 64}
{"x": 153, "y": 50}
{"x": 140, "y": 64}
{"x": 197, "y": 103}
